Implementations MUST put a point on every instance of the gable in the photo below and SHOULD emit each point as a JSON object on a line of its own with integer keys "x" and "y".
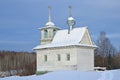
{"x": 86, "y": 39}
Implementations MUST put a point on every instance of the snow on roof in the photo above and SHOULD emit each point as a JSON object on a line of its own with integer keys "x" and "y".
{"x": 49, "y": 24}
{"x": 75, "y": 35}
{"x": 62, "y": 38}
{"x": 70, "y": 18}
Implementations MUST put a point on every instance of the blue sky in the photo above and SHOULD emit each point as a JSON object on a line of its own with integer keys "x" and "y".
{"x": 20, "y": 20}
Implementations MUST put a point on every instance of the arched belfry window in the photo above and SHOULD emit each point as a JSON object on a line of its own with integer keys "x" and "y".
{"x": 54, "y": 32}
{"x": 45, "y": 34}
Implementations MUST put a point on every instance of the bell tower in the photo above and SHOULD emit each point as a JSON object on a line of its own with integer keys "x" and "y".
{"x": 49, "y": 30}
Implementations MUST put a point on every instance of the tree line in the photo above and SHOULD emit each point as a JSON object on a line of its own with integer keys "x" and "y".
{"x": 106, "y": 55}
{"x": 17, "y": 63}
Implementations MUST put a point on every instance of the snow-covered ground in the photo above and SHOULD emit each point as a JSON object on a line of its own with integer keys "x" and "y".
{"x": 71, "y": 75}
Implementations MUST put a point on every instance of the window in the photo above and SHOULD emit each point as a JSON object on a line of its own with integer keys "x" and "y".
{"x": 54, "y": 32}
{"x": 58, "y": 57}
{"x": 68, "y": 57}
{"x": 45, "y": 34}
{"x": 45, "y": 58}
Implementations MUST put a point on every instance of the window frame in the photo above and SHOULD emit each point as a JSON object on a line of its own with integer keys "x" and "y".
{"x": 45, "y": 58}
{"x": 58, "y": 57}
{"x": 68, "y": 58}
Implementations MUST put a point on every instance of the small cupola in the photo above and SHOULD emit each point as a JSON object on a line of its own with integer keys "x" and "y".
{"x": 48, "y": 31}
{"x": 70, "y": 21}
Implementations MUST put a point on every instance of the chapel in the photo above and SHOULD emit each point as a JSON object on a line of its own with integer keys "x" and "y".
{"x": 65, "y": 49}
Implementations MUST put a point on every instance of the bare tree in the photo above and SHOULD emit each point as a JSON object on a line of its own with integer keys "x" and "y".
{"x": 105, "y": 51}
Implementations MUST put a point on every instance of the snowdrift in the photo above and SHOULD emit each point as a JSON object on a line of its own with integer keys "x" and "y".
{"x": 71, "y": 75}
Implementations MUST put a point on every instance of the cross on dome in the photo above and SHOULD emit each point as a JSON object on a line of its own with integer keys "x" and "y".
{"x": 49, "y": 14}
{"x": 71, "y": 20}
{"x": 70, "y": 11}
{"x": 49, "y": 23}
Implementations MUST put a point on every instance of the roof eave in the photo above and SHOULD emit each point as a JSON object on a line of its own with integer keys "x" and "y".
{"x": 79, "y": 45}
